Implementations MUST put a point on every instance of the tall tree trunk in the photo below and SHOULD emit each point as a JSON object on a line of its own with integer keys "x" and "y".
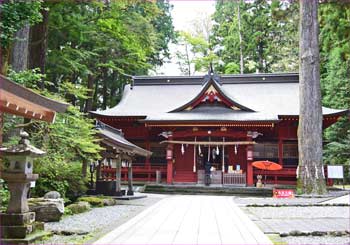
{"x": 90, "y": 94}
{"x": 95, "y": 96}
{"x": 19, "y": 52}
{"x": 311, "y": 179}
{"x": 241, "y": 65}
{"x": 84, "y": 167}
{"x": 38, "y": 43}
{"x": 1, "y": 128}
{"x": 260, "y": 57}
{"x": 3, "y": 50}
{"x": 188, "y": 62}
{"x": 104, "y": 90}
{"x": 19, "y": 58}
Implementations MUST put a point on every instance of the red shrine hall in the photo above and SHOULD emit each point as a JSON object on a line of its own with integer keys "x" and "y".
{"x": 229, "y": 121}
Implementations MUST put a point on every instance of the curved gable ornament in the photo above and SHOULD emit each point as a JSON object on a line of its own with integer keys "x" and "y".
{"x": 212, "y": 93}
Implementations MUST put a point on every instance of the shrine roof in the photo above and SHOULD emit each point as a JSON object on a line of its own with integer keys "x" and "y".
{"x": 18, "y": 100}
{"x": 261, "y": 97}
{"x": 115, "y": 138}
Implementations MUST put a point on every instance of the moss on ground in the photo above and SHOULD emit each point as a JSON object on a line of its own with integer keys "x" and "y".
{"x": 276, "y": 239}
{"x": 78, "y": 207}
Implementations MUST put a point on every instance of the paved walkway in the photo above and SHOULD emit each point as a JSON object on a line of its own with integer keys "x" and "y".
{"x": 189, "y": 220}
{"x": 339, "y": 200}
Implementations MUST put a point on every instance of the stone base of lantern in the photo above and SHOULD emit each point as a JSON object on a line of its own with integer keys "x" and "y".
{"x": 29, "y": 239}
{"x": 20, "y": 228}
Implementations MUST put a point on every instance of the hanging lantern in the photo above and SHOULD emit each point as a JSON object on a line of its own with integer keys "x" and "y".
{"x": 182, "y": 149}
{"x": 236, "y": 149}
{"x": 194, "y": 156}
{"x": 217, "y": 150}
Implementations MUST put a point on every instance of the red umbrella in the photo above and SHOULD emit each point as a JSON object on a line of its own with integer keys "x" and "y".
{"x": 267, "y": 165}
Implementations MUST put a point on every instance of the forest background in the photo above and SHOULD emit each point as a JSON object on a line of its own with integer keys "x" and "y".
{"x": 84, "y": 52}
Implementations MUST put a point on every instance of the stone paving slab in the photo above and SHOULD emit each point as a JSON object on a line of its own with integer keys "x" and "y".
{"x": 189, "y": 220}
{"x": 339, "y": 200}
{"x": 304, "y": 219}
{"x": 304, "y": 225}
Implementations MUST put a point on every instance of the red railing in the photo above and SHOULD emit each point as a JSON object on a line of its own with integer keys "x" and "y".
{"x": 140, "y": 173}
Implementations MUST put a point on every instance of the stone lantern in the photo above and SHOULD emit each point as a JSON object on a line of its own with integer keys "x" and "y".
{"x": 18, "y": 222}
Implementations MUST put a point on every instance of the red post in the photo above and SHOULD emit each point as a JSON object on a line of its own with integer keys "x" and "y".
{"x": 280, "y": 152}
{"x": 250, "y": 178}
{"x": 169, "y": 157}
{"x": 148, "y": 163}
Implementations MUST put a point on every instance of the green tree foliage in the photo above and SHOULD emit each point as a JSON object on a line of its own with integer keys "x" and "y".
{"x": 269, "y": 35}
{"x": 335, "y": 54}
{"x": 68, "y": 142}
{"x": 194, "y": 53}
{"x": 92, "y": 46}
{"x": 106, "y": 41}
{"x": 14, "y": 15}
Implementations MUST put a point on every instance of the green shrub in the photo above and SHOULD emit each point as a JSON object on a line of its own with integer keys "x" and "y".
{"x": 67, "y": 211}
{"x": 98, "y": 201}
{"x": 55, "y": 175}
{"x": 79, "y": 207}
{"x": 94, "y": 201}
{"x": 4, "y": 195}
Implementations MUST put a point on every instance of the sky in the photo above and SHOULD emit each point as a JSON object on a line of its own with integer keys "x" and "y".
{"x": 183, "y": 14}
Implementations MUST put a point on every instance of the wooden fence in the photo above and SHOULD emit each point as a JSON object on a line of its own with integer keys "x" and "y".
{"x": 234, "y": 179}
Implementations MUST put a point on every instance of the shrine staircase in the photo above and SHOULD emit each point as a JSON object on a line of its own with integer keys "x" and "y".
{"x": 185, "y": 176}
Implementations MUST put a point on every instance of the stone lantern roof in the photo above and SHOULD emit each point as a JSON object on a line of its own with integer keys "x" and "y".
{"x": 23, "y": 148}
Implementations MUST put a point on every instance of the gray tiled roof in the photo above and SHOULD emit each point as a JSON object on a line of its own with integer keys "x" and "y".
{"x": 116, "y": 136}
{"x": 268, "y": 95}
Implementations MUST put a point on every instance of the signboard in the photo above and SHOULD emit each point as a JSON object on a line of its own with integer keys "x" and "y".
{"x": 283, "y": 193}
{"x": 335, "y": 172}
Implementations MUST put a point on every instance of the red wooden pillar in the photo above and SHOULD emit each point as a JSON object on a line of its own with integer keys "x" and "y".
{"x": 148, "y": 162}
{"x": 280, "y": 155}
{"x": 280, "y": 152}
{"x": 250, "y": 179}
{"x": 169, "y": 158}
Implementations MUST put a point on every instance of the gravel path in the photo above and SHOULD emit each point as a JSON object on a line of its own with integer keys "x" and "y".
{"x": 98, "y": 221}
{"x": 93, "y": 220}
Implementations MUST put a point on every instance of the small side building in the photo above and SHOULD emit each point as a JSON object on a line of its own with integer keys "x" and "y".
{"x": 118, "y": 153}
